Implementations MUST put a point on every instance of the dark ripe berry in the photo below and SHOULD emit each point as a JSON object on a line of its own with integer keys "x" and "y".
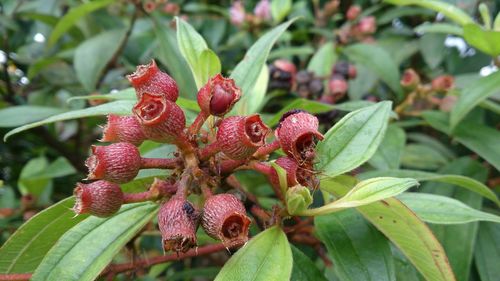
{"x": 316, "y": 87}
{"x": 443, "y": 83}
{"x": 239, "y": 137}
{"x": 341, "y": 68}
{"x": 178, "y": 221}
{"x": 410, "y": 79}
{"x": 161, "y": 119}
{"x": 150, "y": 79}
{"x": 218, "y": 96}
{"x": 297, "y": 134}
{"x": 123, "y": 129}
{"x": 295, "y": 174}
{"x": 303, "y": 77}
{"x": 117, "y": 162}
{"x": 100, "y": 198}
{"x": 353, "y": 12}
{"x": 224, "y": 218}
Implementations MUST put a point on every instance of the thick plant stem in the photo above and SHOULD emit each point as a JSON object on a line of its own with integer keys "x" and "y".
{"x": 158, "y": 189}
{"x": 208, "y": 151}
{"x": 267, "y": 149}
{"x": 161, "y": 163}
{"x": 268, "y": 171}
{"x": 198, "y": 123}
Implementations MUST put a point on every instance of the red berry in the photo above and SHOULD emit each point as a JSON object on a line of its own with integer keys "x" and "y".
{"x": 286, "y": 66}
{"x": 123, "y": 129}
{"x": 367, "y": 25}
{"x": 338, "y": 85}
{"x": 224, "y": 218}
{"x": 240, "y": 136}
{"x": 178, "y": 221}
{"x": 353, "y": 12}
{"x": 443, "y": 83}
{"x": 150, "y": 79}
{"x": 410, "y": 79}
{"x": 100, "y": 198}
{"x": 297, "y": 134}
{"x": 295, "y": 174}
{"x": 218, "y": 96}
{"x": 117, "y": 162}
{"x": 161, "y": 119}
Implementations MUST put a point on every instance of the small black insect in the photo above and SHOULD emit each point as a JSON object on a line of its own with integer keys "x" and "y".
{"x": 188, "y": 208}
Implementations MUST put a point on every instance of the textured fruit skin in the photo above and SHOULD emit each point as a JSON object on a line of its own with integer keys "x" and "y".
{"x": 162, "y": 120}
{"x": 150, "y": 79}
{"x": 218, "y": 96}
{"x": 118, "y": 162}
{"x": 443, "y": 83}
{"x": 224, "y": 218}
{"x": 100, "y": 198}
{"x": 295, "y": 174}
{"x": 178, "y": 221}
{"x": 123, "y": 129}
{"x": 297, "y": 134}
{"x": 410, "y": 79}
{"x": 239, "y": 137}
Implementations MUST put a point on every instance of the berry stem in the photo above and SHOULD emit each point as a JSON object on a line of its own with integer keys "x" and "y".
{"x": 267, "y": 149}
{"x": 158, "y": 188}
{"x": 160, "y": 163}
{"x": 268, "y": 172}
{"x": 208, "y": 151}
{"x": 198, "y": 123}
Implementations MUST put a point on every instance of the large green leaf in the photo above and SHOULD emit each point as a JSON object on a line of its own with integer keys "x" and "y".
{"x": 72, "y": 17}
{"x": 473, "y": 95}
{"x": 304, "y": 268}
{"x": 353, "y": 140}
{"x": 439, "y": 28}
{"x": 253, "y": 101}
{"x": 93, "y": 55}
{"x": 378, "y": 61}
{"x": 462, "y": 181}
{"x": 487, "y": 252}
{"x": 443, "y": 210}
{"x": 25, "y": 249}
{"x": 266, "y": 257}
{"x": 487, "y": 41}
{"x": 19, "y": 115}
{"x": 421, "y": 156}
{"x": 246, "y": 73}
{"x": 388, "y": 154}
{"x": 323, "y": 60}
{"x": 85, "y": 250}
{"x": 120, "y": 107}
{"x": 447, "y": 9}
{"x": 358, "y": 250}
{"x": 280, "y": 9}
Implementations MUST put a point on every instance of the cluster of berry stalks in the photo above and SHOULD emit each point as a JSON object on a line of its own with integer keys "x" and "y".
{"x": 206, "y": 155}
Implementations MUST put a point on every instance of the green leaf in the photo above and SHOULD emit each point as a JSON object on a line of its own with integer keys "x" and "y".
{"x": 304, "y": 268}
{"x": 280, "y": 9}
{"x": 121, "y": 107}
{"x": 420, "y": 156}
{"x": 253, "y": 102}
{"x": 443, "y": 210}
{"x": 22, "y": 114}
{"x": 432, "y": 48}
{"x": 92, "y": 56}
{"x": 388, "y": 155}
{"x": 364, "y": 193}
{"x": 72, "y": 17}
{"x": 358, "y": 250}
{"x": 379, "y": 61}
{"x": 85, "y": 250}
{"x": 202, "y": 61}
{"x": 439, "y": 28}
{"x": 25, "y": 249}
{"x": 323, "y": 60}
{"x": 267, "y": 256}
{"x": 465, "y": 182}
{"x": 474, "y": 94}
{"x": 487, "y": 252}
{"x": 487, "y": 41}
{"x": 246, "y": 73}
{"x": 353, "y": 140}
{"x": 447, "y": 9}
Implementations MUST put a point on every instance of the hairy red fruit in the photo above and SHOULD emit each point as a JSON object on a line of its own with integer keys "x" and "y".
{"x": 410, "y": 79}
{"x": 353, "y": 12}
{"x": 224, "y": 218}
{"x": 123, "y": 129}
{"x": 150, "y": 79}
{"x": 100, "y": 198}
{"x": 240, "y": 136}
{"x": 295, "y": 174}
{"x": 178, "y": 221}
{"x": 161, "y": 119}
{"x": 117, "y": 162}
{"x": 338, "y": 85}
{"x": 218, "y": 96}
{"x": 443, "y": 83}
{"x": 367, "y": 25}
{"x": 297, "y": 133}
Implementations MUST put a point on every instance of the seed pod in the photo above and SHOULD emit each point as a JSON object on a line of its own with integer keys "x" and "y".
{"x": 161, "y": 119}
{"x": 443, "y": 83}
{"x": 297, "y": 133}
{"x": 224, "y": 218}
{"x": 150, "y": 79}
{"x": 178, "y": 221}
{"x": 295, "y": 174}
{"x": 123, "y": 129}
{"x": 410, "y": 79}
{"x": 100, "y": 198}
{"x": 240, "y": 136}
{"x": 218, "y": 96}
{"x": 117, "y": 162}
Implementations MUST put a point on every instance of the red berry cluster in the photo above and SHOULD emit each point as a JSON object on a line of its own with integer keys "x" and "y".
{"x": 206, "y": 156}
